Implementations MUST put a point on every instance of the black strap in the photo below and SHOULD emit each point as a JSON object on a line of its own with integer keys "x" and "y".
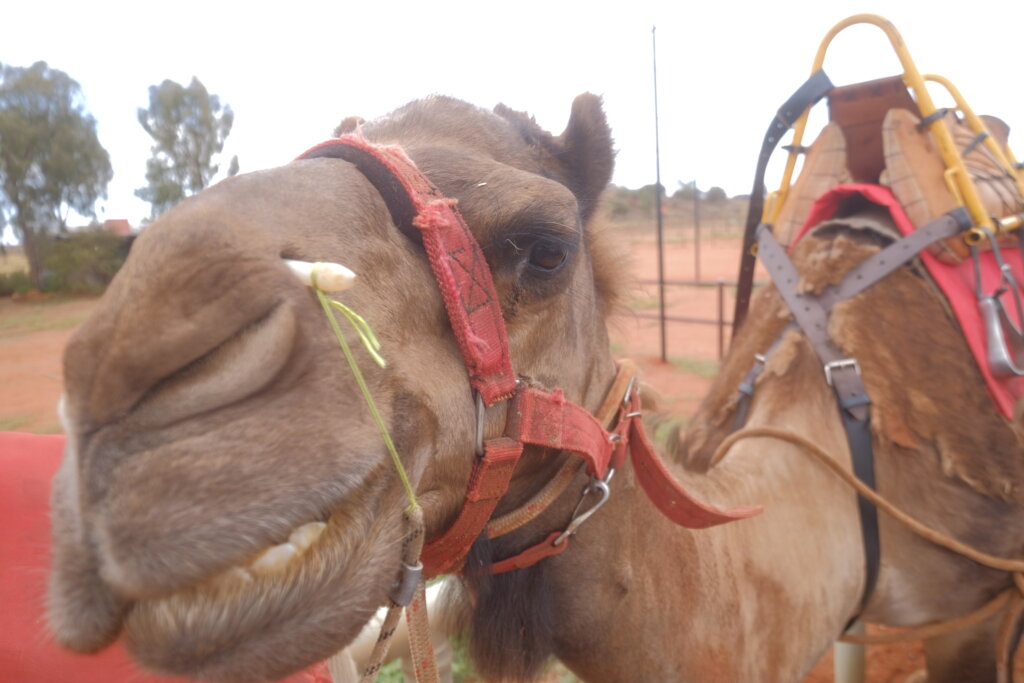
{"x": 843, "y": 375}
{"x": 399, "y": 204}
{"x": 978, "y": 139}
{"x": 923, "y": 124}
{"x": 746, "y": 389}
{"x": 813, "y": 89}
{"x": 858, "y": 437}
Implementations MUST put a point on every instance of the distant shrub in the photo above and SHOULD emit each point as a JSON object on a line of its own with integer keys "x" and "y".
{"x": 14, "y": 283}
{"x": 83, "y": 262}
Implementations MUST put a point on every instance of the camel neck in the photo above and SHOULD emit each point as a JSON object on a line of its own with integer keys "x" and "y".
{"x": 704, "y": 591}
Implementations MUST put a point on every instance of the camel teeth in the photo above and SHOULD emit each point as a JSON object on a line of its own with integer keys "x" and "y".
{"x": 239, "y": 574}
{"x": 233, "y": 577}
{"x": 273, "y": 559}
{"x": 306, "y": 535}
{"x": 330, "y": 277}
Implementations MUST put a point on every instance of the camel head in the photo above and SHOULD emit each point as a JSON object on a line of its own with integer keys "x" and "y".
{"x": 225, "y": 503}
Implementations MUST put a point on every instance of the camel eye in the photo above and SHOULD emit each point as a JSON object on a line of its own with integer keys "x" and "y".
{"x": 547, "y": 257}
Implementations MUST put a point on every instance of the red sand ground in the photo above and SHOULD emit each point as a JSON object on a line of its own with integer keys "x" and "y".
{"x": 32, "y": 335}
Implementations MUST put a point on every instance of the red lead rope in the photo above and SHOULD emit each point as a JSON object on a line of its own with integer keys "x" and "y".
{"x": 536, "y": 417}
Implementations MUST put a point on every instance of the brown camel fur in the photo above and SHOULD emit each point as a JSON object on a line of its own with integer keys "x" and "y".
{"x": 210, "y": 414}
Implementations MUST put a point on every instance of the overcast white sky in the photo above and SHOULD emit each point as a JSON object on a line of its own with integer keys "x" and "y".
{"x": 292, "y": 70}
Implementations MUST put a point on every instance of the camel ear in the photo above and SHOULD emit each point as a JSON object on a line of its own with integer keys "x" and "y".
{"x": 583, "y": 152}
{"x": 348, "y": 125}
{"x": 587, "y": 152}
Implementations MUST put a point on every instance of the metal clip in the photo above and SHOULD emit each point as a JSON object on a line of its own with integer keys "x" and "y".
{"x": 481, "y": 417}
{"x": 1004, "y": 339}
{"x": 600, "y": 485}
{"x": 405, "y": 590}
{"x": 839, "y": 365}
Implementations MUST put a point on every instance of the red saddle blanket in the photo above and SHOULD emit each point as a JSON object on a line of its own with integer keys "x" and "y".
{"x": 955, "y": 280}
{"x": 27, "y": 651}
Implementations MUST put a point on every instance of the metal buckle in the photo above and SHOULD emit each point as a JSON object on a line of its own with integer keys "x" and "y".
{"x": 840, "y": 365}
{"x": 632, "y": 388}
{"x": 481, "y": 414}
{"x": 600, "y": 485}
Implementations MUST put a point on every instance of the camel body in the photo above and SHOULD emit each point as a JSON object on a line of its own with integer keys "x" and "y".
{"x": 210, "y": 416}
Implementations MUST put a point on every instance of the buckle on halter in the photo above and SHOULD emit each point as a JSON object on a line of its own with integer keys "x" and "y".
{"x": 599, "y": 485}
{"x": 840, "y": 365}
{"x": 481, "y": 411}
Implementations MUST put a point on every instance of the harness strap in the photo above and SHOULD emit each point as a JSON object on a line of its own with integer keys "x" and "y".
{"x": 671, "y": 499}
{"x": 746, "y": 390}
{"x": 420, "y": 210}
{"x": 488, "y": 482}
{"x": 547, "y": 419}
{"x": 812, "y": 90}
{"x": 843, "y": 375}
{"x": 660, "y": 486}
{"x": 877, "y": 266}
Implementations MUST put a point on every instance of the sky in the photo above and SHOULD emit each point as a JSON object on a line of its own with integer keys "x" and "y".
{"x": 292, "y": 70}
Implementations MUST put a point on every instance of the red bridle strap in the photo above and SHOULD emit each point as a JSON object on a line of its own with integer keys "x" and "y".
{"x": 671, "y": 499}
{"x": 546, "y": 418}
{"x": 488, "y": 482}
{"x": 455, "y": 257}
{"x": 535, "y": 416}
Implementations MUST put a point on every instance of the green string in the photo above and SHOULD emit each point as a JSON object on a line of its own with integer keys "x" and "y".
{"x": 366, "y": 335}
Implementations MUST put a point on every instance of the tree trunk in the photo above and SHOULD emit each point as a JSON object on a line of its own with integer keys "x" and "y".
{"x": 30, "y": 245}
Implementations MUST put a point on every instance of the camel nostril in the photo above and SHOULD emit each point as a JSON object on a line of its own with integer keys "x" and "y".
{"x": 233, "y": 371}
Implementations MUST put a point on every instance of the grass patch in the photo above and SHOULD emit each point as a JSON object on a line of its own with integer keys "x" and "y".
{"x": 39, "y": 318}
{"x": 696, "y": 366}
{"x": 644, "y": 304}
{"x": 51, "y": 428}
{"x": 16, "y": 422}
{"x": 667, "y": 431}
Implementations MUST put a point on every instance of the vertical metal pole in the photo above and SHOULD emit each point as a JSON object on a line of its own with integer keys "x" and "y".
{"x": 696, "y": 233}
{"x": 720, "y": 287}
{"x": 657, "y": 200}
{"x": 849, "y": 658}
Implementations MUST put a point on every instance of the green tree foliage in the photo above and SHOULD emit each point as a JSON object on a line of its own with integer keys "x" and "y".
{"x": 51, "y": 160}
{"x": 716, "y": 195}
{"x": 188, "y": 127}
{"x": 84, "y": 262}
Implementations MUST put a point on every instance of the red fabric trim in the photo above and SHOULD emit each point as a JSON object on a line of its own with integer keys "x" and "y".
{"x": 487, "y": 484}
{"x": 547, "y": 419}
{"x": 459, "y": 267}
{"x": 669, "y": 496}
{"x": 532, "y": 555}
{"x": 955, "y": 280}
{"x": 27, "y": 650}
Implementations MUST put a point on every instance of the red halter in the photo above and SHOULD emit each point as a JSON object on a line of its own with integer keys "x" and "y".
{"x": 535, "y": 416}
